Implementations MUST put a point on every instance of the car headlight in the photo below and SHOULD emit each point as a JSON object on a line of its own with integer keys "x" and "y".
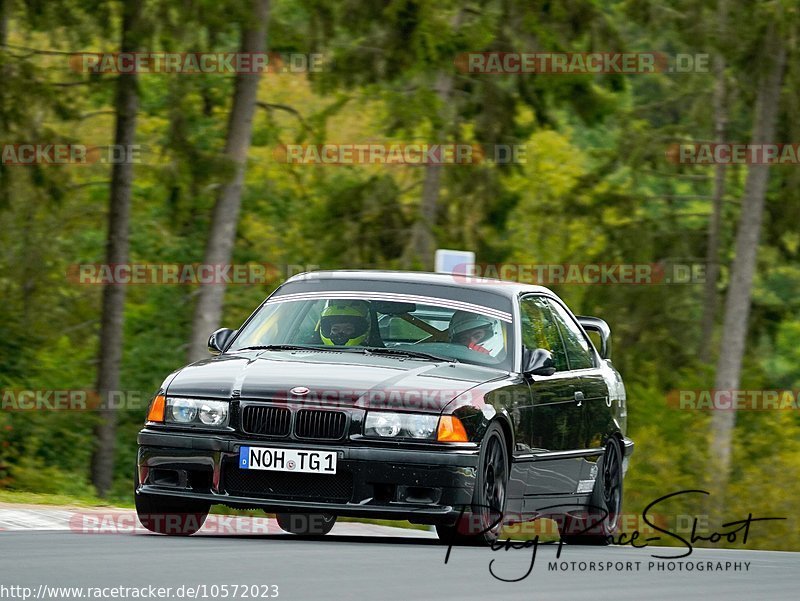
{"x": 213, "y": 413}
{"x": 385, "y": 424}
{"x": 422, "y": 426}
{"x": 197, "y": 412}
{"x": 182, "y": 411}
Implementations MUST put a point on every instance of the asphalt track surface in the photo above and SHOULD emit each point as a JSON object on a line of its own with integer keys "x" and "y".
{"x": 400, "y": 565}
{"x": 43, "y": 546}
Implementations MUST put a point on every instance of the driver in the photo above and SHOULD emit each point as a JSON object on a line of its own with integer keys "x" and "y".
{"x": 471, "y": 330}
{"x": 344, "y": 323}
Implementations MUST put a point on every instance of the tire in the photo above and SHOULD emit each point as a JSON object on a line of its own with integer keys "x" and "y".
{"x": 482, "y": 522}
{"x": 169, "y": 515}
{"x": 306, "y": 524}
{"x": 606, "y": 499}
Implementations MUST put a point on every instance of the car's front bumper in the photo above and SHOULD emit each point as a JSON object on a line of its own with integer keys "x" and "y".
{"x": 425, "y": 486}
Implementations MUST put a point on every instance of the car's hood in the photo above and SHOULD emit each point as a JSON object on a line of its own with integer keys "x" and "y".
{"x": 332, "y": 378}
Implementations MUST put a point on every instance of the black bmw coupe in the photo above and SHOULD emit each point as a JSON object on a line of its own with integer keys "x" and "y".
{"x": 441, "y": 399}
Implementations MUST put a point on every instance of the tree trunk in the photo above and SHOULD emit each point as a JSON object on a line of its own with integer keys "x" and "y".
{"x": 221, "y": 239}
{"x": 422, "y": 241}
{"x": 5, "y": 185}
{"x": 715, "y": 224}
{"x": 4, "y": 6}
{"x": 737, "y": 302}
{"x": 111, "y": 326}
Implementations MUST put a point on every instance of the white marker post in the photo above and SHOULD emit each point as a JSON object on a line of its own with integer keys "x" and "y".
{"x": 459, "y": 262}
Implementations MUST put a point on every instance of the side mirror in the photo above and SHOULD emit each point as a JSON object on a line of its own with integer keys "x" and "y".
{"x": 599, "y": 327}
{"x": 219, "y": 340}
{"x": 539, "y": 362}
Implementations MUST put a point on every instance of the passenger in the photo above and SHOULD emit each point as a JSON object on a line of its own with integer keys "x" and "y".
{"x": 471, "y": 330}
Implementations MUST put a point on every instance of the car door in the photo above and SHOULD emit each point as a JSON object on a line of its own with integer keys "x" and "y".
{"x": 553, "y": 427}
{"x": 584, "y": 361}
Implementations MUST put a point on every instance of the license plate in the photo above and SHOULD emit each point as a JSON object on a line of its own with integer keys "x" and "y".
{"x": 287, "y": 460}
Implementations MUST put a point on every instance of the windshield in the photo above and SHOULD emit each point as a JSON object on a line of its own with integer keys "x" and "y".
{"x": 367, "y": 324}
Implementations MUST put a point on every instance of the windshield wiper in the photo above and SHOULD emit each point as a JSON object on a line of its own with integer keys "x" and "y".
{"x": 280, "y": 347}
{"x": 298, "y": 347}
{"x": 377, "y": 350}
{"x": 369, "y": 350}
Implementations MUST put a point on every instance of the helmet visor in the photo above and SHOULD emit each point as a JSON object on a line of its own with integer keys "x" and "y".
{"x": 473, "y": 336}
{"x": 340, "y": 329}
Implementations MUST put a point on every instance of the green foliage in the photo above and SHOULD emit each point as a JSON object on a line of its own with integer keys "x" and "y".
{"x": 32, "y": 475}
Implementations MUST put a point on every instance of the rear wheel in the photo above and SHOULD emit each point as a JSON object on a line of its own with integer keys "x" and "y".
{"x": 482, "y": 522}
{"x": 306, "y": 523}
{"x": 599, "y": 523}
{"x": 169, "y": 515}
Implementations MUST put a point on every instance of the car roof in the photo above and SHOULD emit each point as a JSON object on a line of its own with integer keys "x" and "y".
{"x": 506, "y": 288}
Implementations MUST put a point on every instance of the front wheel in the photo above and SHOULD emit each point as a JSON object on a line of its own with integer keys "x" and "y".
{"x": 482, "y": 522}
{"x": 306, "y": 523}
{"x": 599, "y": 523}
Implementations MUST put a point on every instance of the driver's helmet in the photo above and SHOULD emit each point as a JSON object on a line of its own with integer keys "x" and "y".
{"x": 344, "y": 323}
{"x": 471, "y": 329}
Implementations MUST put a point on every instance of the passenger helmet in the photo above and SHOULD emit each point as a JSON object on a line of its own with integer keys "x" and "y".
{"x": 464, "y": 322}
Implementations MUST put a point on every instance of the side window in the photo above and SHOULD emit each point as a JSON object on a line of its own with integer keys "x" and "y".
{"x": 539, "y": 330}
{"x": 579, "y": 352}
